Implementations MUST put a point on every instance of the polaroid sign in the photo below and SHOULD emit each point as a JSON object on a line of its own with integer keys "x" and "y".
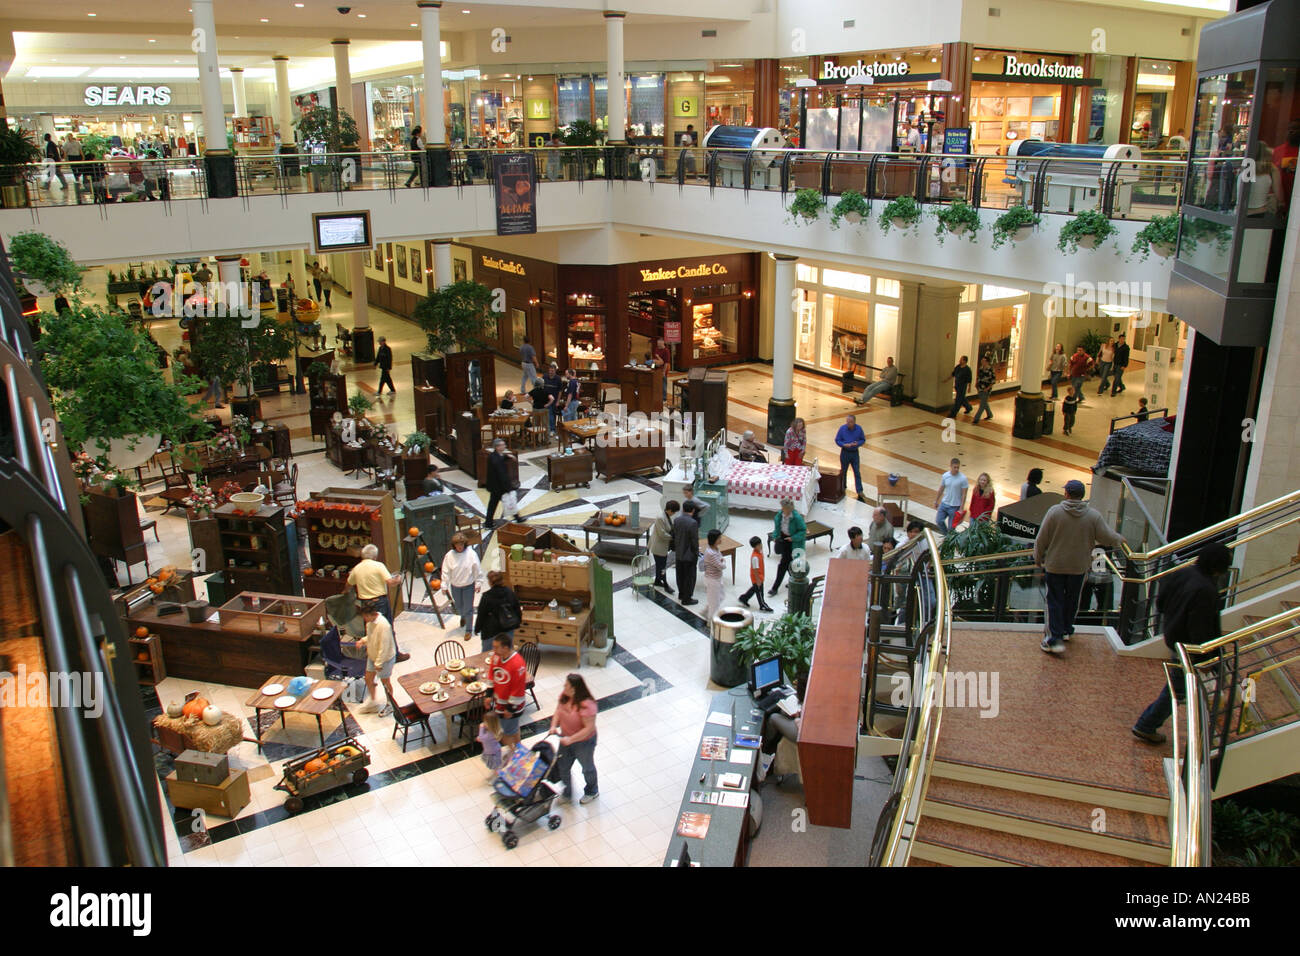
{"x": 128, "y": 95}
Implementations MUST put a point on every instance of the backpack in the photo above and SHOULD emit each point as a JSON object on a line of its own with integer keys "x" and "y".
{"x": 509, "y": 615}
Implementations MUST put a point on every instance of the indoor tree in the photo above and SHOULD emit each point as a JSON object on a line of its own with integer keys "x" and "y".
{"x": 333, "y": 129}
{"x": 223, "y": 347}
{"x": 455, "y": 316}
{"x": 43, "y": 265}
{"x": 17, "y": 149}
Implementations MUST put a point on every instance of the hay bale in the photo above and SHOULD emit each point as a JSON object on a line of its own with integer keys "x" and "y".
{"x": 199, "y": 736}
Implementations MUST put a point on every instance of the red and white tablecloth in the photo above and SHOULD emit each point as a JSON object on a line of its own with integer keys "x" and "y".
{"x": 755, "y": 479}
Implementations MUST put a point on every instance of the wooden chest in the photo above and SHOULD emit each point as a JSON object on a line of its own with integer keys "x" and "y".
{"x": 512, "y": 464}
{"x": 566, "y": 471}
{"x": 225, "y": 799}
{"x": 543, "y": 627}
{"x": 197, "y": 766}
{"x": 614, "y": 460}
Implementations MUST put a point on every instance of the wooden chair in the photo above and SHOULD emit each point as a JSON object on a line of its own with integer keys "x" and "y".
{"x": 532, "y": 660}
{"x": 285, "y": 491}
{"x": 407, "y": 717}
{"x": 471, "y": 526}
{"x": 448, "y": 651}
{"x": 176, "y": 486}
{"x": 150, "y": 525}
{"x": 537, "y": 433}
{"x": 473, "y": 715}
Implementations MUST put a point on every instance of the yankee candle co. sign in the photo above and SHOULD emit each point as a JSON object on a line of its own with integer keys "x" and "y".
{"x": 128, "y": 95}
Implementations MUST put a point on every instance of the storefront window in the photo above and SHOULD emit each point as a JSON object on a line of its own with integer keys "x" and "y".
{"x": 806, "y": 333}
{"x": 890, "y": 288}
{"x": 1155, "y": 84}
{"x": 574, "y": 99}
{"x": 848, "y": 328}
{"x": 645, "y": 108}
{"x": 1025, "y": 105}
{"x": 998, "y": 336}
{"x": 518, "y": 327}
{"x": 550, "y": 331}
{"x": 1105, "y": 101}
{"x": 646, "y": 314}
{"x": 586, "y": 340}
{"x": 804, "y": 273}
{"x": 853, "y": 281}
{"x": 393, "y": 110}
{"x": 715, "y": 329}
{"x": 845, "y": 327}
{"x": 729, "y": 94}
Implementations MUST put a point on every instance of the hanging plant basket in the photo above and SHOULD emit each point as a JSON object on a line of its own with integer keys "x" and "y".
{"x": 125, "y": 453}
{"x": 1163, "y": 250}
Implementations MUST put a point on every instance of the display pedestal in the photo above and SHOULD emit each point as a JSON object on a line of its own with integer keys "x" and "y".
{"x": 363, "y": 346}
{"x": 220, "y": 167}
{"x": 780, "y": 416}
{"x": 289, "y": 160}
{"x": 1029, "y": 416}
{"x": 439, "y": 166}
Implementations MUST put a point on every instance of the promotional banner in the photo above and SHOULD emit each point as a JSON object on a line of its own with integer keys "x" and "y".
{"x": 515, "y": 176}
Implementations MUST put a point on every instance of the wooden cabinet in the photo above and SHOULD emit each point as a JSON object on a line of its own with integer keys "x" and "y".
{"x": 512, "y": 464}
{"x": 113, "y": 527}
{"x": 328, "y": 394}
{"x": 465, "y": 445}
{"x": 707, "y": 396}
{"x": 565, "y": 471}
{"x": 641, "y": 389}
{"x": 427, "y": 370}
{"x": 255, "y": 552}
{"x": 612, "y": 460}
{"x": 335, "y": 536}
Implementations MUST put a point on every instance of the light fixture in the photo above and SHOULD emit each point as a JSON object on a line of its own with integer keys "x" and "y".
{"x": 300, "y": 5}
{"x": 266, "y": 20}
{"x": 464, "y": 11}
{"x": 92, "y": 14}
{"x": 415, "y": 24}
{"x": 361, "y": 15}
{"x": 977, "y": 59}
{"x": 153, "y": 41}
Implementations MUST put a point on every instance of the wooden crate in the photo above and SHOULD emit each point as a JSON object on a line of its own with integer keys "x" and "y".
{"x": 152, "y": 671}
{"x": 225, "y": 800}
{"x": 509, "y": 534}
{"x": 535, "y": 574}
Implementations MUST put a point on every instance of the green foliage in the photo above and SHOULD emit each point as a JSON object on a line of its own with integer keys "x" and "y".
{"x": 1092, "y": 341}
{"x": 969, "y": 591}
{"x": 1160, "y": 231}
{"x": 807, "y": 205}
{"x": 1246, "y": 836}
{"x": 1205, "y": 231}
{"x": 455, "y": 316}
{"x": 850, "y": 201}
{"x": 331, "y": 128}
{"x": 119, "y": 483}
{"x": 93, "y": 142}
{"x": 224, "y": 347}
{"x": 417, "y": 442}
{"x": 317, "y": 369}
{"x": 579, "y": 133}
{"x": 359, "y": 404}
{"x": 903, "y": 211}
{"x": 952, "y": 217}
{"x": 105, "y": 379}
{"x": 41, "y": 258}
{"x": 1088, "y": 222}
{"x": 1010, "y": 222}
{"x": 790, "y": 637}
{"x": 17, "y": 148}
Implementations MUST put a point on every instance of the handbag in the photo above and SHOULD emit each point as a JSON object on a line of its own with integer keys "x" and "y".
{"x": 509, "y": 616}
{"x": 510, "y": 503}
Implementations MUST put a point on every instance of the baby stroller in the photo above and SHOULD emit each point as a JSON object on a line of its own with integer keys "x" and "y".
{"x": 525, "y": 789}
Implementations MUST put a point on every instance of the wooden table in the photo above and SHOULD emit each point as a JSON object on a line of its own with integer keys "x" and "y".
{"x": 307, "y": 704}
{"x": 583, "y": 429}
{"x": 902, "y": 491}
{"x": 510, "y": 427}
{"x": 625, "y": 531}
{"x": 458, "y": 697}
{"x": 728, "y": 548}
{"x": 541, "y": 626}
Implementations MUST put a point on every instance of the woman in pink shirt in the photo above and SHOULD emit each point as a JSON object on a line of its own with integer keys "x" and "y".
{"x": 575, "y": 716}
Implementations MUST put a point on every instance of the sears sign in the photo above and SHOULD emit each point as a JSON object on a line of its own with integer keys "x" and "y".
{"x": 128, "y": 95}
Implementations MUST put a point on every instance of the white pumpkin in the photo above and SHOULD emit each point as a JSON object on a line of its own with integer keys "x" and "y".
{"x": 212, "y": 715}
{"x": 174, "y": 708}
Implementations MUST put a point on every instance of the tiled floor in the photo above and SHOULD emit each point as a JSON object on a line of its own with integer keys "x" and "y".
{"x": 427, "y": 805}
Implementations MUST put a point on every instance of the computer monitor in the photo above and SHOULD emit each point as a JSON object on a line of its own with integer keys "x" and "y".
{"x": 765, "y": 675}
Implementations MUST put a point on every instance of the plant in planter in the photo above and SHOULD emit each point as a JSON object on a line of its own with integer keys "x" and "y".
{"x": 580, "y": 133}
{"x": 417, "y": 442}
{"x": 902, "y": 213}
{"x": 960, "y": 218}
{"x": 1160, "y": 236}
{"x": 17, "y": 149}
{"x": 317, "y": 369}
{"x": 1014, "y": 224}
{"x": 222, "y": 348}
{"x": 202, "y": 500}
{"x": 1204, "y": 232}
{"x": 971, "y": 591}
{"x": 336, "y": 130}
{"x": 1088, "y": 228}
{"x": 806, "y": 206}
{"x": 852, "y": 206}
{"x": 43, "y": 262}
{"x": 455, "y": 316}
{"x": 359, "y": 404}
{"x": 790, "y": 637}
{"x": 117, "y": 484}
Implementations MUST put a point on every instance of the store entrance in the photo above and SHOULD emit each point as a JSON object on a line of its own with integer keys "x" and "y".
{"x": 646, "y": 314}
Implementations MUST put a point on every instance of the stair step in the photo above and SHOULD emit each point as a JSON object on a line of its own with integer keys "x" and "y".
{"x": 957, "y": 844}
{"x": 1142, "y": 836}
{"x": 1093, "y": 796}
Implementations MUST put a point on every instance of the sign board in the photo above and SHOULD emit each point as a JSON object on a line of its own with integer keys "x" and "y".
{"x": 127, "y": 95}
{"x": 515, "y": 177}
{"x": 539, "y": 109}
{"x": 1157, "y": 376}
{"x": 539, "y": 140}
{"x": 956, "y": 139}
{"x": 672, "y": 332}
{"x": 686, "y": 106}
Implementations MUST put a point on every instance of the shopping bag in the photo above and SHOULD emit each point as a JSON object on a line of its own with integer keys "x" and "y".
{"x": 510, "y": 503}
{"x": 958, "y": 517}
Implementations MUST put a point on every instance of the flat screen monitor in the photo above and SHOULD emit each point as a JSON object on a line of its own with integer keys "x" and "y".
{"x": 766, "y": 675}
{"x": 341, "y": 231}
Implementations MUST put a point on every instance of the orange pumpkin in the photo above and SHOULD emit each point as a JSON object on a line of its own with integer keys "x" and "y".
{"x": 143, "y": 656}
{"x": 435, "y": 584}
{"x": 150, "y": 580}
{"x": 315, "y": 765}
{"x": 413, "y": 532}
{"x": 194, "y": 708}
{"x": 422, "y": 549}
{"x": 156, "y": 588}
{"x": 308, "y": 572}
{"x": 428, "y": 567}
{"x": 142, "y": 632}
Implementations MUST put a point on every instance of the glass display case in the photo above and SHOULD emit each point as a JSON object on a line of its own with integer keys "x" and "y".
{"x": 260, "y": 613}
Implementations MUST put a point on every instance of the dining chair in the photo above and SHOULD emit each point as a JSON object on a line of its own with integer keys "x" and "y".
{"x": 176, "y": 486}
{"x": 449, "y": 651}
{"x": 406, "y": 718}
{"x": 532, "y": 656}
{"x": 473, "y": 715}
{"x": 285, "y": 491}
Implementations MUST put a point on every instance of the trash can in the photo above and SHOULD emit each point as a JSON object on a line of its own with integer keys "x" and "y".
{"x": 726, "y": 666}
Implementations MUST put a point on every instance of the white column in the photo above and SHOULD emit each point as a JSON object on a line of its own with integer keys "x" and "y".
{"x": 616, "y": 95}
{"x": 442, "y": 274}
{"x": 1034, "y": 338}
{"x": 298, "y": 269}
{"x": 241, "y": 91}
{"x": 435, "y": 127}
{"x": 214, "y": 113}
{"x": 783, "y": 329}
{"x": 282, "y": 103}
{"x": 360, "y": 299}
{"x": 228, "y": 273}
{"x": 342, "y": 77}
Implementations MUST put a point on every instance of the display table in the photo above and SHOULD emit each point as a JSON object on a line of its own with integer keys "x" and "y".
{"x": 726, "y": 842}
{"x": 306, "y": 704}
{"x": 619, "y": 550}
{"x": 900, "y": 492}
{"x": 237, "y": 653}
{"x": 584, "y": 430}
{"x": 727, "y": 547}
{"x": 567, "y": 471}
{"x": 458, "y": 694}
{"x": 542, "y": 626}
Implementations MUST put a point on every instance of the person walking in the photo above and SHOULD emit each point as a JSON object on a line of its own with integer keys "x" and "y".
{"x": 499, "y": 482}
{"x": 951, "y": 497}
{"x": 1056, "y": 367}
{"x": 326, "y": 285}
{"x": 569, "y": 396}
{"x": 1121, "y": 363}
{"x": 1078, "y": 370}
{"x": 554, "y": 386}
{"x": 509, "y": 673}
{"x": 381, "y": 655}
{"x": 796, "y": 443}
{"x": 1063, "y": 549}
{"x": 686, "y": 552}
{"x": 313, "y": 271}
{"x": 417, "y": 157}
{"x": 713, "y": 564}
{"x": 1105, "y": 362}
{"x": 498, "y": 611}
{"x": 984, "y": 388}
{"x": 216, "y": 391}
{"x": 850, "y": 437}
{"x": 757, "y": 571}
{"x": 575, "y": 721}
{"x": 1032, "y": 481}
{"x": 1189, "y": 604}
{"x": 661, "y": 543}
{"x": 461, "y": 573}
{"x": 528, "y": 365}
{"x": 961, "y": 377}
{"x": 540, "y": 395}
{"x": 888, "y": 379}
{"x": 53, "y": 155}
{"x": 370, "y": 579}
{"x": 1069, "y": 408}
{"x": 982, "y": 498}
{"x": 73, "y": 154}
{"x": 290, "y": 286}
{"x": 789, "y": 532}
{"x": 384, "y": 362}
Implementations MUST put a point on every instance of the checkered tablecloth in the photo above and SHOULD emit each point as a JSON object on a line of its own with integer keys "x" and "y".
{"x": 759, "y": 480}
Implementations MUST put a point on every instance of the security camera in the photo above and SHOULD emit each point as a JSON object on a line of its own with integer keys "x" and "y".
{"x": 344, "y": 10}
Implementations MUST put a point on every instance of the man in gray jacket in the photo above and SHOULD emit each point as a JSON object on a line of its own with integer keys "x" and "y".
{"x": 1063, "y": 549}
{"x": 880, "y": 530}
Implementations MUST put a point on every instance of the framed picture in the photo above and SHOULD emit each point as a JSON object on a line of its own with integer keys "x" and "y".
{"x": 365, "y": 258}
{"x": 400, "y": 259}
{"x": 458, "y": 270}
{"x": 417, "y": 267}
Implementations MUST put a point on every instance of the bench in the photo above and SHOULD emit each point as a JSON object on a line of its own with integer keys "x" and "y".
{"x": 815, "y": 530}
{"x": 849, "y": 383}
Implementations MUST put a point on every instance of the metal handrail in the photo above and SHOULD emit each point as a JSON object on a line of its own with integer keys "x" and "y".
{"x": 1227, "y": 524}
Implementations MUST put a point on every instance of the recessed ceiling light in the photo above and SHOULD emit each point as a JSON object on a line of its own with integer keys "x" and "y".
{"x": 300, "y": 5}
{"x": 153, "y": 41}
{"x": 464, "y": 11}
{"x": 92, "y": 14}
{"x": 121, "y": 58}
{"x": 415, "y": 24}
{"x": 361, "y": 15}
{"x": 266, "y": 20}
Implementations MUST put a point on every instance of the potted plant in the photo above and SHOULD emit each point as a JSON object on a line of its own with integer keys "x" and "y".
{"x": 579, "y": 133}
{"x": 417, "y": 443}
{"x": 201, "y": 501}
{"x": 902, "y": 213}
{"x": 334, "y": 130}
{"x": 359, "y": 404}
{"x": 972, "y": 591}
{"x": 17, "y": 149}
{"x": 1015, "y": 224}
{"x": 807, "y": 205}
{"x": 1089, "y": 228}
{"x": 960, "y": 219}
{"x": 1160, "y": 236}
{"x": 852, "y": 206}
{"x": 117, "y": 484}
{"x": 789, "y": 637}
{"x": 455, "y": 316}
{"x": 317, "y": 369}
{"x": 43, "y": 264}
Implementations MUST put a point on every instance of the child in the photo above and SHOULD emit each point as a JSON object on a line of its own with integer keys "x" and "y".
{"x": 1069, "y": 406}
{"x": 756, "y": 573}
{"x": 1142, "y": 413}
{"x": 489, "y": 732}
{"x": 712, "y": 563}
